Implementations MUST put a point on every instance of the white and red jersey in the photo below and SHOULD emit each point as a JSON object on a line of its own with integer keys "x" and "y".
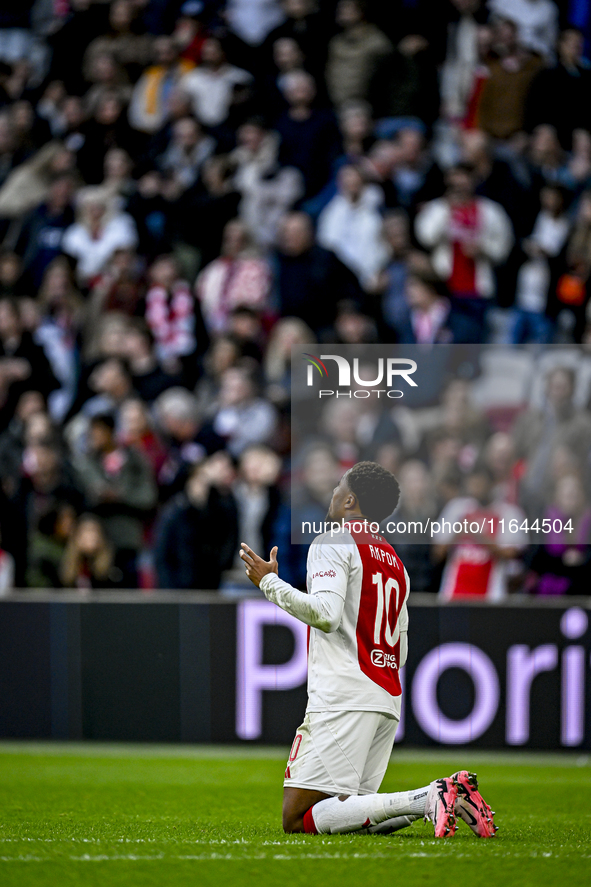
{"x": 471, "y": 569}
{"x": 356, "y": 667}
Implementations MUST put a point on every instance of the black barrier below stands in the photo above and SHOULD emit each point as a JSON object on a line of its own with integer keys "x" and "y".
{"x": 197, "y": 668}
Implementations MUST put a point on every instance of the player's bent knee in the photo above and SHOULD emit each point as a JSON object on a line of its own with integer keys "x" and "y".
{"x": 293, "y": 821}
{"x": 292, "y": 826}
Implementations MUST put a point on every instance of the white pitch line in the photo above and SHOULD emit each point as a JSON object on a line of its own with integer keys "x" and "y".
{"x": 213, "y": 843}
{"x": 103, "y": 857}
{"x": 280, "y": 857}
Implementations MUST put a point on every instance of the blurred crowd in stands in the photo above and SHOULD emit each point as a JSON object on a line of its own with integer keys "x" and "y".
{"x": 187, "y": 189}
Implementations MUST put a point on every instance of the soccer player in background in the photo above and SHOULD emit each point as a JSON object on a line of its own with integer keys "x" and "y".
{"x": 358, "y": 618}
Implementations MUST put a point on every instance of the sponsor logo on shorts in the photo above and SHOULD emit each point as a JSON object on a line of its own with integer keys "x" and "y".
{"x": 326, "y": 574}
{"x": 383, "y": 660}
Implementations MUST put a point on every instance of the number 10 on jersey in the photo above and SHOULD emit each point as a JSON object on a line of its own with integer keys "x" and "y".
{"x": 384, "y": 611}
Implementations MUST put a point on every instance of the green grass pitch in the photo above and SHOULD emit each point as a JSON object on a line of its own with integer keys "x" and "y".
{"x": 120, "y": 816}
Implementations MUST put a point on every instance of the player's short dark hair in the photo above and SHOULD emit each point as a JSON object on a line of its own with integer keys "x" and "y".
{"x": 376, "y": 489}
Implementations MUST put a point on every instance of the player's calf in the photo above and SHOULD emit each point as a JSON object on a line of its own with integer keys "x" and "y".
{"x": 360, "y": 813}
{"x": 297, "y": 802}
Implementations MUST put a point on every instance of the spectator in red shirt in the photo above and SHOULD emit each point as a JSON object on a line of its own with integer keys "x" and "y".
{"x": 467, "y": 236}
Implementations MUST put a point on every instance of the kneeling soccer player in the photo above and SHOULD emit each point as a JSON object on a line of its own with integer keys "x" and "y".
{"x": 356, "y": 610}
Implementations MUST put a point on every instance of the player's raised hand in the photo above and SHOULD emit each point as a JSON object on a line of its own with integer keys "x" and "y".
{"x": 255, "y": 566}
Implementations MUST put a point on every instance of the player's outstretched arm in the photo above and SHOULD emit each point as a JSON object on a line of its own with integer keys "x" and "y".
{"x": 322, "y": 610}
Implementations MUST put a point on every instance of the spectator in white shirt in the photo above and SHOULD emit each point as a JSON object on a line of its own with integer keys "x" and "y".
{"x": 268, "y": 190}
{"x": 536, "y": 20}
{"x": 546, "y": 241}
{"x": 461, "y": 60}
{"x": 467, "y": 236}
{"x": 253, "y": 20}
{"x": 243, "y": 418}
{"x": 210, "y": 86}
{"x": 351, "y": 225}
{"x": 99, "y": 231}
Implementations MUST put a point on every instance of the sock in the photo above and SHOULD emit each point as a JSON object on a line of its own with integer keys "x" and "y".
{"x": 309, "y": 824}
{"x": 333, "y": 816}
{"x": 390, "y": 825}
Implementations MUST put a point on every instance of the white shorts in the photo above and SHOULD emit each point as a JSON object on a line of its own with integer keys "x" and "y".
{"x": 341, "y": 752}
